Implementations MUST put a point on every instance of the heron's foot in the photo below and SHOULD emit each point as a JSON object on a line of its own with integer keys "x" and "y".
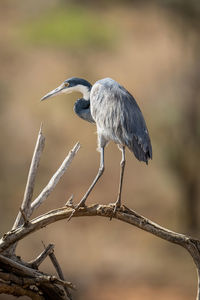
{"x": 76, "y": 208}
{"x": 114, "y": 206}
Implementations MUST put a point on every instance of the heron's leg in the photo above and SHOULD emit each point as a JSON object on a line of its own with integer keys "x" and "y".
{"x": 100, "y": 172}
{"x": 122, "y": 164}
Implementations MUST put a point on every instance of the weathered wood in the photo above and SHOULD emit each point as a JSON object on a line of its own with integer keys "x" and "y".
{"x": 54, "y": 180}
{"x": 25, "y": 207}
{"x": 59, "y": 272}
{"x": 42, "y": 256}
{"x": 22, "y": 274}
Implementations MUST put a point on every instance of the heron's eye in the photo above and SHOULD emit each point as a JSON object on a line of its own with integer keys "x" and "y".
{"x": 66, "y": 84}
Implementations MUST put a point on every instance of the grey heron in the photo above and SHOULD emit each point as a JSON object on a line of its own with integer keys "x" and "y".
{"x": 118, "y": 118}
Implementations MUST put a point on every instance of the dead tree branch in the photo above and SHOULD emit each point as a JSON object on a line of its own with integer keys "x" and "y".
{"x": 124, "y": 214}
{"x": 41, "y": 257}
{"x": 21, "y": 278}
{"x": 55, "y": 179}
{"x": 18, "y": 268}
{"x": 48, "y": 286}
{"x": 59, "y": 272}
{"x": 13, "y": 286}
{"x": 25, "y": 207}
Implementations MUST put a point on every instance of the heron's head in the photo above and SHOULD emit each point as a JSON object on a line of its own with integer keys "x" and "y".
{"x": 70, "y": 85}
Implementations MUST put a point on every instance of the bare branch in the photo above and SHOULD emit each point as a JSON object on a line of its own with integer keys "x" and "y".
{"x": 51, "y": 287}
{"x": 55, "y": 179}
{"x": 24, "y": 217}
{"x": 123, "y": 214}
{"x": 22, "y": 270}
{"x": 56, "y": 265}
{"x": 31, "y": 179}
{"x": 59, "y": 271}
{"x": 35, "y": 288}
{"x": 95, "y": 210}
{"x": 12, "y": 288}
{"x": 17, "y": 267}
{"x": 38, "y": 260}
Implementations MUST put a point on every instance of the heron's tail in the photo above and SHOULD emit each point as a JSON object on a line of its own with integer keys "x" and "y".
{"x": 142, "y": 151}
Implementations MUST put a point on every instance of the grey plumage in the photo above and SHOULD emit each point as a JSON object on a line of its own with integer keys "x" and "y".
{"x": 82, "y": 109}
{"x": 117, "y": 117}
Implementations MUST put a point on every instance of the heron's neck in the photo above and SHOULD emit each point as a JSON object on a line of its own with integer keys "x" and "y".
{"x": 84, "y": 90}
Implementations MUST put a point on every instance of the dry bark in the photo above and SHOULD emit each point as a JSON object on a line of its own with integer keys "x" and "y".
{"x": 23, "y": 278}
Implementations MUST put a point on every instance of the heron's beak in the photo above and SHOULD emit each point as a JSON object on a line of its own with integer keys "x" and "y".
{"x": 61, "y": 89}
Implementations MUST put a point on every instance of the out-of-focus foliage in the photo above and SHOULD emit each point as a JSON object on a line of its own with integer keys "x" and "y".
{"x": 189, "y": 10}
{"x": 69, "y": 27}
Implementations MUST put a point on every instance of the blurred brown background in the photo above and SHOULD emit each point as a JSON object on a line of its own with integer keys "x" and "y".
{"x": 150, "y": 47}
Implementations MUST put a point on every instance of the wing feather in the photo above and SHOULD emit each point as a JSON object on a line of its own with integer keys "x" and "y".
{"x": 119, "y": 118}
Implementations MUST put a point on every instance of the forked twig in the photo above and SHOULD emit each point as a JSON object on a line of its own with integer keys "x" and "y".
{"x": 40, "y": 258}
{"x": 58, "y": 270}
{"x": 31, "y": 180}
{"x": 24, "y": 217}
{"x": 55, "y": 179}
{"x": 57, "y": 287}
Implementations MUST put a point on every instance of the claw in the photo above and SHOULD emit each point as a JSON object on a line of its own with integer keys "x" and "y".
{"x": 116, "y": 206}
